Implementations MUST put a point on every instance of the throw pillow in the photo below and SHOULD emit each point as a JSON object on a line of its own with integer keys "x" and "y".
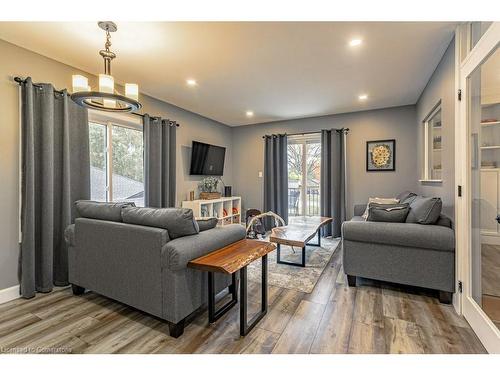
{"x": 390, "y": 213}
{"x": 406, "y": 197}
{"x": 424, "y": 210}
{"x": 380, "y": 201}
{"x": 101, "y": 210}
{"x": 179, "y": 222}
{"x": 206, "y": 223}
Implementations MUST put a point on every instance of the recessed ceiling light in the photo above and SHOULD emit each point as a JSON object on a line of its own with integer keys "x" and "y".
{"x": 191, "y": 82}
{"x": 363, "y": 97}
{"x": 249, "y": 113}
{"x": 355, "y": 42}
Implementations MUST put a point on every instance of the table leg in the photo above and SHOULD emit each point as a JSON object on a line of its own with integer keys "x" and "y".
{"x": 278, "y": 258}
{"x": 245, "y": 326}
{"x": 214, "y": 314}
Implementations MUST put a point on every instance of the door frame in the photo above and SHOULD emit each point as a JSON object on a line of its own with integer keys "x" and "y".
{"x": 479, "y": 321}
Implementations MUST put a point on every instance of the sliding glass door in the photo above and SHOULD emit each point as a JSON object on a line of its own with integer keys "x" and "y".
{"x": 304, "y": 164}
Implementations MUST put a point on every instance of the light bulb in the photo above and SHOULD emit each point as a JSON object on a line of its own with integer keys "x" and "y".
{"x": 132, "y": 91}
{"x": 80, "y": 83}
{"x": 107, "y": 85}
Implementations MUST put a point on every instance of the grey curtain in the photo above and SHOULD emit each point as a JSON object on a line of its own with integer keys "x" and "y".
{"x": 159, "y": 162}
{"x": 55, "y": 173}
{"x": 333, "y": 179}
{"x": 276, "y": 175}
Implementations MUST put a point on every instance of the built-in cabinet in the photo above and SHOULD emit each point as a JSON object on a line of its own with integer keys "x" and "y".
{"x": 489, "y": 145}
{"x": 226, "y": 209}
{"x": 490, "y": 207}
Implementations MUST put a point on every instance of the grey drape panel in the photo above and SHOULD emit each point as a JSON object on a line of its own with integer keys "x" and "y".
{"x": 159, "y": 162}
{"x": 55, "y": 173}
{"x": 333, "y": 179}
{"x": 276, "y": 175}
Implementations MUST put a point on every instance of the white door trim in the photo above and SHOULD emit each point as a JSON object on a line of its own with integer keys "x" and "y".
{"x": 480, "y": 323}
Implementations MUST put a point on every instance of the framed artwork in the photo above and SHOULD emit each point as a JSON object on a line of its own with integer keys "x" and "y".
{"x": 381, "y": 155}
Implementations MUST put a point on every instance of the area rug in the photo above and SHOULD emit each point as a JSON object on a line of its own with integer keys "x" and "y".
{"x": 302, "y": 279}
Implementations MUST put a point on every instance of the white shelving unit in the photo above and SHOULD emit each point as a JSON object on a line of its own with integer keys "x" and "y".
{"x": 226, "y": 209}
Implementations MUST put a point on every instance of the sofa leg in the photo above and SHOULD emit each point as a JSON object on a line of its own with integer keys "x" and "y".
{"x": 445, "y": 297}
{"x": 176, "y": 330}
{"x": 77, "y": 290}
{"x": 351, "y": 280}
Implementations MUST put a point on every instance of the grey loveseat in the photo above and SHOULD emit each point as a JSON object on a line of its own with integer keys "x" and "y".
{"x": 144, "y": 266}
{"x": 404, "y": 253}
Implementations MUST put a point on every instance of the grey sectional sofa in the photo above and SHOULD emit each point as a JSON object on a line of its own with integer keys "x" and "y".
{"x": 144, "y": 266}
{"x": 404, "y": 253}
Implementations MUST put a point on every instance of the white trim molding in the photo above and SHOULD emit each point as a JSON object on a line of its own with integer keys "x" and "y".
{"x": 9, "y": 294}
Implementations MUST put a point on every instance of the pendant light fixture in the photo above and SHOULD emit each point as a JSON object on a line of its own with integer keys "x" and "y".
{"x": 106, "y": 98}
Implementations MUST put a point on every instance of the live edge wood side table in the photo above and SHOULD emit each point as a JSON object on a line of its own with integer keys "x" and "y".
{"x": 229, "y": 260}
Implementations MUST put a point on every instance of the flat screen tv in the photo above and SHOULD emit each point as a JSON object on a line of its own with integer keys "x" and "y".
{"x": 207, "y": 159}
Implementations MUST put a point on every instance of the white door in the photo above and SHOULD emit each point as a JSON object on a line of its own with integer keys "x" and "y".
{"x": 479, "y": 158}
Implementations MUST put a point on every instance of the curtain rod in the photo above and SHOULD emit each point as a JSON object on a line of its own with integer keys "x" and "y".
{"x": 346, "y": 130}
{"x": 21, "y": 81}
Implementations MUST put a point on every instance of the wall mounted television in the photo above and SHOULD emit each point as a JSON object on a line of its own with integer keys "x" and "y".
{"x": 207, "y": 160}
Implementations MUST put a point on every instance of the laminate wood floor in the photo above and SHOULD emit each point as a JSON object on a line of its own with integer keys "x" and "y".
{"x": 371, "y": 318}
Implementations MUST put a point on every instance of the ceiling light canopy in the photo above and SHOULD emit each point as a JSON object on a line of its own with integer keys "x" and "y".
{"x": 106, "y": 98}
{"x": 363, "y": 97}
{"x": 355, "y": 42}
{"x": 249, "y": 113}
{"x": 191, "y": 82}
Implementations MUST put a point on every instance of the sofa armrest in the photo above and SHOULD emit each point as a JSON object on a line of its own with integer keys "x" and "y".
{"x": 433, "y": 237}
{"x": 359, "y": 209}
{"x": 177, "y": 253}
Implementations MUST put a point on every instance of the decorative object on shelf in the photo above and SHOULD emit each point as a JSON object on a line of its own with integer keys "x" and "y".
{"x": 208, "y": 188}
{"x": 204, "y": 211}
{"x": 437, "y": 143}
{"x": 106, "y": 98}
{"x": 227, "y": 191}
{"x": 235, "y": 211}
{"x": 488, "y": 164}
{"x": 489, "y": 120}
{"x": 191, "y": 195}
{"x": 381, "y": 155}
{"x": 437, "y": 124}
{"x": 224, "y": 212}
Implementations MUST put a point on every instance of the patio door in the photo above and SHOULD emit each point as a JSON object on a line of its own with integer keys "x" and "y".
{"x": 304, "y": 164}
{"x": 478, "y": 210}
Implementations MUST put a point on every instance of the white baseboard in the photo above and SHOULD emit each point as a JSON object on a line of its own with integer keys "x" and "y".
{"x": 9, "y": 294}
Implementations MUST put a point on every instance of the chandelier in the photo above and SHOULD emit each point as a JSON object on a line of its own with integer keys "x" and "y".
{"x": 106, "y": 98}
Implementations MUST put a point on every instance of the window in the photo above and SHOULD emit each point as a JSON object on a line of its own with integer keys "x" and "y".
{"x": 304, "y": 168}
{"x": 116, "y": 161}
{"x": 433, "y": 144}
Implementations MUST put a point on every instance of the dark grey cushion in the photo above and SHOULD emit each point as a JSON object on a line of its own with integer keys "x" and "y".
{"x": 424, "y": 210}
{"x": 389, "y": 213}
{"x": 110, "y": 211}
{"x": 406, "y": 197}
{"x": 179, "y": 222}
{"x": 206, "y": 224}
{"x": 434, "y": 237}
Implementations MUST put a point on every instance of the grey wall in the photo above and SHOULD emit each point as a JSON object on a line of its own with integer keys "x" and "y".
{"x": 391, "y": 123}
{"x": 21, "y": 62}
{"x": 441, "y": 86}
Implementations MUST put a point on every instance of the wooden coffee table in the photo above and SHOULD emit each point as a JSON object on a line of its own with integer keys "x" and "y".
{"x": 229, "y": 260}
{"x": 298, "y": 232}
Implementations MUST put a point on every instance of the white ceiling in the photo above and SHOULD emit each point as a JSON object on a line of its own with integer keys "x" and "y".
{"x": 278, "y": 70}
